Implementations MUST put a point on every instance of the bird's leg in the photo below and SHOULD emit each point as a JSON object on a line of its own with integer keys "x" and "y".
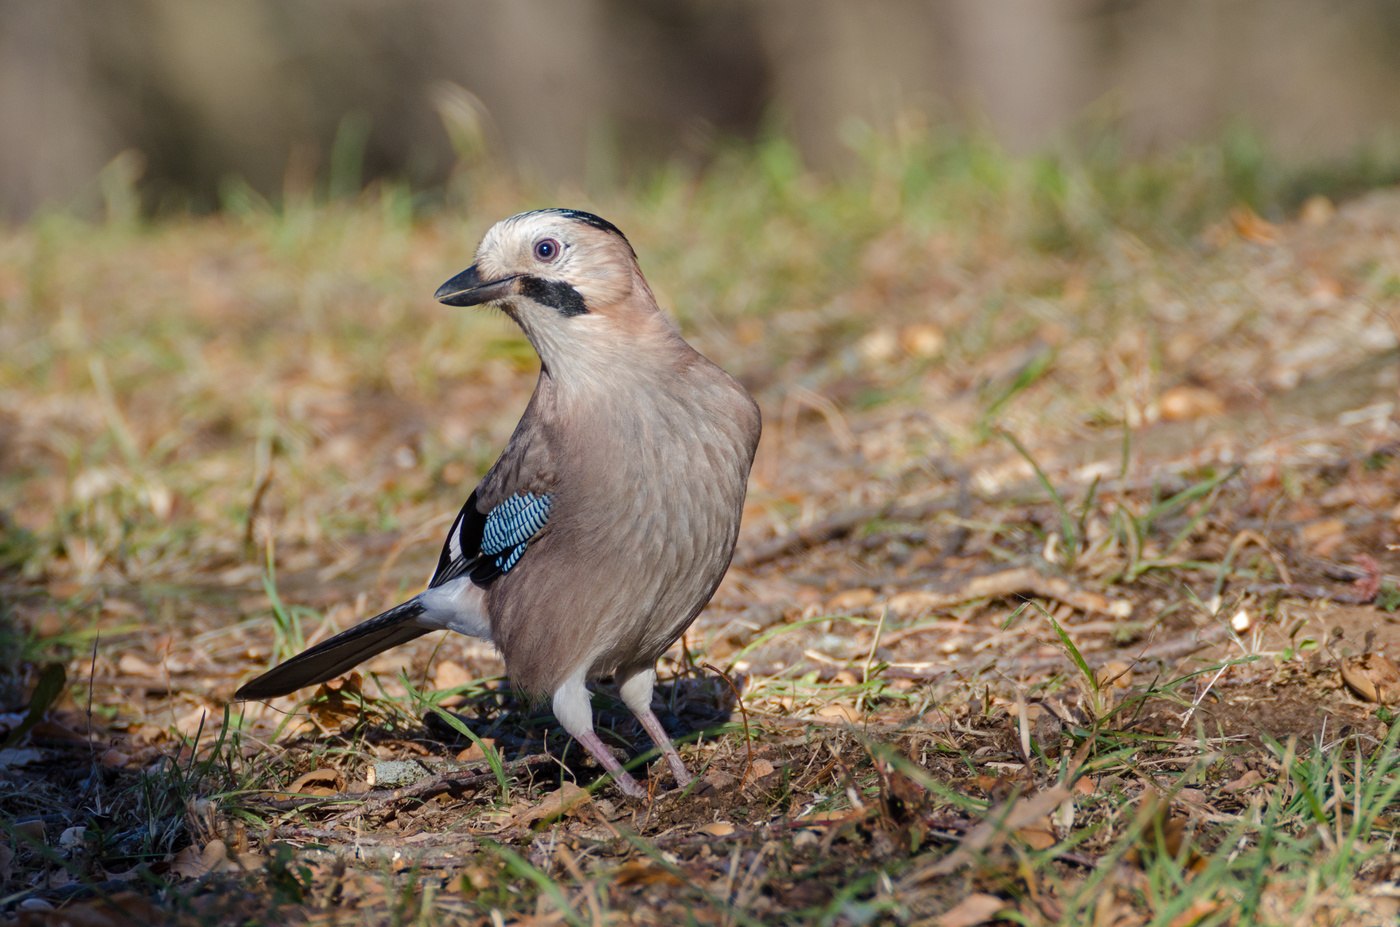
{"x": 575, "y": 715}
{"x": 636, "y": 695}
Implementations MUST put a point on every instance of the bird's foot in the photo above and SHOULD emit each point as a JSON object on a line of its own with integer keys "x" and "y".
{"x": 683, "y": 776}
{"x": 624, "y": 780}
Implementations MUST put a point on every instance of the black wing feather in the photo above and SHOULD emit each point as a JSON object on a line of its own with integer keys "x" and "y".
{"x": 466, "y": 531}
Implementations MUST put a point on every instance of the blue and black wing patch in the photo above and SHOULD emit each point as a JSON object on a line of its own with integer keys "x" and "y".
{"x": 486, "y": 546}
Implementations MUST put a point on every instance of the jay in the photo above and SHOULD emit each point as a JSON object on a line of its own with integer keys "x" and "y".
{"x": 610, "y": 518}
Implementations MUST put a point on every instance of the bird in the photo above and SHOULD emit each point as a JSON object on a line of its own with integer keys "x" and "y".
{"x": 612, "y": 514}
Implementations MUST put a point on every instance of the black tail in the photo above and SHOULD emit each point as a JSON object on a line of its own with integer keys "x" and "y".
{"x": 330, "y": 658}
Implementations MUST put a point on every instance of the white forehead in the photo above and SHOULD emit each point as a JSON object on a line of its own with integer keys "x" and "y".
{"x": 522, "y": 228}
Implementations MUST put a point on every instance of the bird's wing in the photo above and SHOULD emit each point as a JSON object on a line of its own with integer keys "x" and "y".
{"x": 486, "y": 545}
{"x": 504, "y": 514}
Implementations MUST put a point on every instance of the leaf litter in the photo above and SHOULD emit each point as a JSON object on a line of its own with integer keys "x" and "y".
{"x": 978, "y": 679}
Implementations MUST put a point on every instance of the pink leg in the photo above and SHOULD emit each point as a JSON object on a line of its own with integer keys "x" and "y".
{"x": 636, "y": 694}
{"x": 603, "y": 755}
{"x": 571, "y": 707}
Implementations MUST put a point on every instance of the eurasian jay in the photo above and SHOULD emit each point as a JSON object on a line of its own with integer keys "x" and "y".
{"x": 608, "y": 522}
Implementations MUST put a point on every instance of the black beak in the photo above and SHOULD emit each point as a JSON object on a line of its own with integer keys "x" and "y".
{"x": 468, "y": 289}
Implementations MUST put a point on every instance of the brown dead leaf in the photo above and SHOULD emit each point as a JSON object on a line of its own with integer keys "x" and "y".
{"x": 1023, "y": 812}
{"x": 977, "y": 908}
{"x": 1161, "y": 830}
{"x": 1250, "y": 226}
{"x": 1372, "y": 677}
{"x": 1249, "y": 780}
{"x": 852, "y": 600}
{"x": 558, "y": 803}
{"x": 1183, "y": 403}
{"x": 1317, "y": 211}
{"x": 835, "y": 711}
{"x": 824, "y": 819}
{"x": 1324, "y": 536}
{"x": 450, "y": 675}
{"x": 1198, "y": 911}
{"x": 120, "y": 910}
{"x": 131, "y": 665}
{"x": 643, "y": 872}
{"x": 337, "y": 701}
{"x": 1039, "y": 836}
{"x": 193, "y": 863}
{"x": 476, "y": 751}
{"x": 1326, "y": 290}
{"x": 922, "y": 340}
{"x": 878, "y": 347}
{"x": 717, "y": 829}
{"x": 323, "y": 781}
{"x": 1115, "y": 674}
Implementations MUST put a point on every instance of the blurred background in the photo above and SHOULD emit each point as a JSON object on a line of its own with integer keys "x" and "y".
{"x": 190, "y": 97}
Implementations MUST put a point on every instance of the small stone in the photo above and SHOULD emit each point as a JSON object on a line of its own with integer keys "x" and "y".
{"x": 395, "y": 774}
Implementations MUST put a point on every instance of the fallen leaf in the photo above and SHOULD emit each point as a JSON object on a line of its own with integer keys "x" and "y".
{"x": 120, "y": 910}
{"x": 824, "y": 819}
{"x": 19, "y": 756}
{"x": 31, "y": 831}
{"x": 1373, "y": 677}
{"x": 717, "y": 829}
{"x": 132, "y": 665}
{"x": 1250, "y": 226}
{"x": 922, "y": 340}
{"x": 1040, "y": 836}
{"x": 1249, "y": 780}
{"x": 1326, "y": 290}
{"x": 838, "y": 712}
{"x": 337, "y": 701}
{"x": 644, "y": 872}
{"x": 1160, "y": 831}
{"x": 1183, "y": 403}
{"x": 561, "y": 801}
{"x": 1198, "y": 911}
{"x": 878, "y": 347}
{"x": 1010, "y": 818}
{"x": 852, "y": 600}
{"x": 977, "y": 908}
{"x": 1115, "y": 674}
{"x": 1317, "y": 210}
{"x": 476, "y": 752}
{"x": 192, "y": 862}
{"x": 323, "y": 781}
{"x": 1324, "y": 536}
{"x": 450, "y": 675}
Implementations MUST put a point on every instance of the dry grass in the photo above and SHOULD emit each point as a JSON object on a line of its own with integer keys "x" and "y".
{"x": 1075, "y": 500}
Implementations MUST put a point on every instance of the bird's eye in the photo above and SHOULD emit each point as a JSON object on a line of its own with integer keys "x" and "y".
{"x": 546, "y": 250}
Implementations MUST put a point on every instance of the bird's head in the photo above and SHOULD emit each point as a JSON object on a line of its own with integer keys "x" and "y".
{"x": 568, "y": 278}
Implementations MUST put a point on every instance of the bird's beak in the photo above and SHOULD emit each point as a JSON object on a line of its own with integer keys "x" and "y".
{"x": 468, "y": 289}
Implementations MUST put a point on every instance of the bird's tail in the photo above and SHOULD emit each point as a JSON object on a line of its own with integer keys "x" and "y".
{"x": 330, "y": 658}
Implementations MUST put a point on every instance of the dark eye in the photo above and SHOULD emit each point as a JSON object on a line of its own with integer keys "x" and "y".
{"x": 546, "y": 250}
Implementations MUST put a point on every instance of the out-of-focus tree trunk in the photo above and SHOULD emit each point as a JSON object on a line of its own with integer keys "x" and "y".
{"x": 56, "y": 135}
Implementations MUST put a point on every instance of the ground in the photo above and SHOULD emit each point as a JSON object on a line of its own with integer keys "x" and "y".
{"x": 1066, "y": 592}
